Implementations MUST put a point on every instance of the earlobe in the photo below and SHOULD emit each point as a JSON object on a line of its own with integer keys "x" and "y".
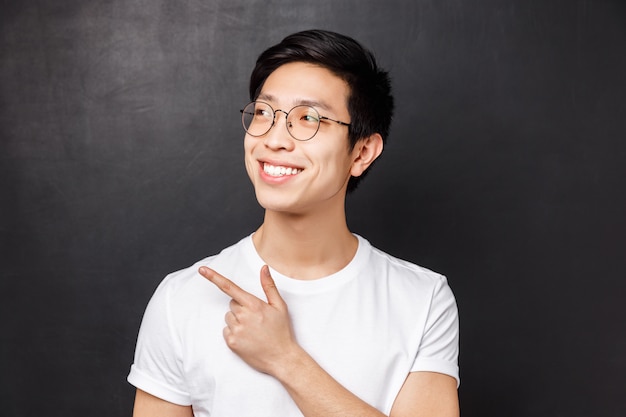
{"x": 365, "y": 153}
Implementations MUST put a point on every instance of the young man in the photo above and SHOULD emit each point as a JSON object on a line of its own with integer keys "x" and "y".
{"x": 303, "y": 317}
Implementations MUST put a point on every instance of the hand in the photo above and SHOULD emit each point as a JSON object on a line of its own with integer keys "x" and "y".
{"x": 259, "y": 332}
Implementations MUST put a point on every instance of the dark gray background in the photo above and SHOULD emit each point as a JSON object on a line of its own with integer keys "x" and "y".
{"x": 121, "y": 161}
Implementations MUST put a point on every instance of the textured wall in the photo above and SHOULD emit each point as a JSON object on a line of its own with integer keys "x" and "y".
{"x": 121, "y": 161}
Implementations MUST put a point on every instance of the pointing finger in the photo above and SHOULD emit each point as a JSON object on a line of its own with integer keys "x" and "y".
{"x": 269, "y": 287}
{"x": 227, "y": 286}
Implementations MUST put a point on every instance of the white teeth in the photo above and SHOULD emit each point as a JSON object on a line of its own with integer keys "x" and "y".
{"x": 279, "y": 171}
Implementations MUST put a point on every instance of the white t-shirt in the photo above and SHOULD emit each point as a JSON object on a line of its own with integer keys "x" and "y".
{"x": 368, "y": 326}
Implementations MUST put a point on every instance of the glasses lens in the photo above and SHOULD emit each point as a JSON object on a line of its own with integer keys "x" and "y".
{"x": 303, "y": 122}
{"x": 257, "y": 118}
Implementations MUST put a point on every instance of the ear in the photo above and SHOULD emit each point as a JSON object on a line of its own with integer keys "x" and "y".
{"x": 365, "y": 153}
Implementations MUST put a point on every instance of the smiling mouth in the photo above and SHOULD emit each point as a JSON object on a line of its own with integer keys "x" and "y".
{"x": 279, "y": 171}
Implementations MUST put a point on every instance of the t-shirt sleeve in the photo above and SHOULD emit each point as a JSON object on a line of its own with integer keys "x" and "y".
{"x": 439, "y": 347}
{"x": 158, "y": 367}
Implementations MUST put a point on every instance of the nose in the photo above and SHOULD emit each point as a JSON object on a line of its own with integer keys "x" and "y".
{"x": 278, "y": 137}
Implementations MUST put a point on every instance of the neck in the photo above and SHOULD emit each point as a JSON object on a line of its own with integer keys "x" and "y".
{"x": 305, "y": 246}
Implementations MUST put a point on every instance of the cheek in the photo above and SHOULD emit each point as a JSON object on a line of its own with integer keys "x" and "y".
{"x": 336, "y": 164}
{"x": 247, "y": 144}
{"x": 249, "y": 161}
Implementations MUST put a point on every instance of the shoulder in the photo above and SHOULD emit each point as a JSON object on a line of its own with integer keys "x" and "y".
{"x": 187, "y": 281}
{"x": 401, "y": 271}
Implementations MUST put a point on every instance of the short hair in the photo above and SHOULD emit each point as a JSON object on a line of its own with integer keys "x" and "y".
{"x": 370, "y": 103}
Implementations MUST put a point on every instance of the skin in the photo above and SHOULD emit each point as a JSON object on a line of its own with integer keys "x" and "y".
{"x": 305, "y": 235}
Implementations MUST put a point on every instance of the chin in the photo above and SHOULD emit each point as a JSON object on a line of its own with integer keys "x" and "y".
{"x": 278, "y": 205}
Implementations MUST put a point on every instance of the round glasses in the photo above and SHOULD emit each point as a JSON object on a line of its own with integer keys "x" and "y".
{"x": 302, "y": 121}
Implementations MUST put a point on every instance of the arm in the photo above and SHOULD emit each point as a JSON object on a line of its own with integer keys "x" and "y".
{"x": 426, "y": 394}
{"x": 260, "y": 333}
{"x": 147, "y": 405}
{"x": 423, "y": 394}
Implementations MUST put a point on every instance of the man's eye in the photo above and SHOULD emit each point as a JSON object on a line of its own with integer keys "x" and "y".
{"x": 310, "y": 118}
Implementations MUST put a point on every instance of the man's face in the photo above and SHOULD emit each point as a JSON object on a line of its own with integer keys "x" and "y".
{"x": 298, "y": 176}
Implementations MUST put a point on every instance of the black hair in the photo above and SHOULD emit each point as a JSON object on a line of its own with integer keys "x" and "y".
{"x": 370, "y": 103}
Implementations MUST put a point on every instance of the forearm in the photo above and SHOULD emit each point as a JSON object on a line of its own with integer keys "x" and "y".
{"x": 317, "y": 393}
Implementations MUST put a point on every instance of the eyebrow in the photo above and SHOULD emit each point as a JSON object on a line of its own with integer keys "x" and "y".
{"x": 299, "y": 102}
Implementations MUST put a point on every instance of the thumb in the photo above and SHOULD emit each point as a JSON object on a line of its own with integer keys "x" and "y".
{"x": 269, "y": 288}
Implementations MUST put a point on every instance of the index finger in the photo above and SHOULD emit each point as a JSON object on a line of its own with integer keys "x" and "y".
{"x": 226, "y": 286}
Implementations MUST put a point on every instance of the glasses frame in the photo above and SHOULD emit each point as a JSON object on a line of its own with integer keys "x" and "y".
{"x": 320, "y": 118}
